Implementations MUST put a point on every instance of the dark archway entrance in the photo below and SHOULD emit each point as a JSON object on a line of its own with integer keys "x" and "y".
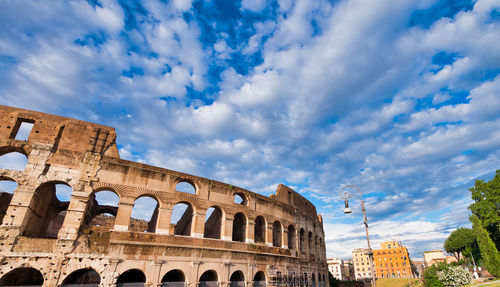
{"x": 88, "y": 277}
{"x": 208, "y": 279}
{"x": 173, "y": 278}
{"x": 259, "y": 280}
{"x": 237, "y": 279}
{"x": 135, "y": 276}
{"x": 22, "y": 277}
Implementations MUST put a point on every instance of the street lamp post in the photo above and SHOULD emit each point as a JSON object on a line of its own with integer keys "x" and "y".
{"x": 346, "y": 195}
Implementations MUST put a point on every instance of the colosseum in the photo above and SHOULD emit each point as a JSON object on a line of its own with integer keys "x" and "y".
{"x": 223, "y": 236}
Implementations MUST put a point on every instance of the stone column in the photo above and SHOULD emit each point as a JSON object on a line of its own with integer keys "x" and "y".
{"x": 228, "y": 223}
{"x": 250, "y": 236}
{"x": 164, "y": 218}
{"x": 269, "y": 234}
{"x": 75, "y": 214}
{"x": 198, "y": 224}
{"x": 125, "y": 207}
{"x": 284, "y": 238}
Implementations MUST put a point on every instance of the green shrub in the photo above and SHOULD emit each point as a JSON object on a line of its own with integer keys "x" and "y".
{"x": 431, "y": 278}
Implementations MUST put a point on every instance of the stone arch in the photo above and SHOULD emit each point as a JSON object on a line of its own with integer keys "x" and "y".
{"x": 173, "y": 278}
{"x": 182, "y": 218}
{"x": 209, "y": 278}
{"x": 46, "y": 213}
{"x": 102, "y": 207}
{"x": 22, "y": 276}
{"x": 259, "y": 279}
{"x": 310, "y": 242}
{"x": 87, "y": 276}
{"x": 192, "y": 187}
{"x": 277, "y": 233}
{"x": 13, "y": 160}
{"x": 302, "y": 239}
{"x": 142, "y": 218}
{"x": 213, "y": 223}
{"x": 237, "y": 279}
{"x": 7, "y": 189}
{"x": 131, "y": 276}
{"x": 260, "y": 229}
{"x": 240, "y": 198}
{"x": 291, "y": 237}
{"x": 239, "y": 227}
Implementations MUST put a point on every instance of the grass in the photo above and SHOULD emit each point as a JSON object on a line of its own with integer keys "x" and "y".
{"x": 399, "y": 282}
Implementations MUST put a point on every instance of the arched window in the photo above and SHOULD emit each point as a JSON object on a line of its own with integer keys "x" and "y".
{"x": 87, "y": 276}
{"x": 259, "y": 279}
{"x": 131, "y": 276}
{"x": 13, "y": 161}
{"x": 49, "y": 204}
{"x": 239, "y": 227}
{"x": 277, "y": 234}
{"x": 291, "y": 237}
{"x": 237, "y": 279}
{"x": 185, "y": 187}
{"x": 213, "y": 223}
{"x": 310, "y": 242}
{"x": 101, "y": 210}
{"x": 7, "y": 188}
{"x": 260, "y": 230}
{"x": 24, "y": 276}
{"x": 240, "y": 198}
{"x": 208, "y": 279}
{"x": 182, "y": 218}
{"x": 173, "y": 278}
{"x": 144, "y": 217}
{"x": 302, "y": 239}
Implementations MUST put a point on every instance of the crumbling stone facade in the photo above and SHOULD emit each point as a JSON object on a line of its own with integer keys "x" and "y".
{"x": 275, "y": 240}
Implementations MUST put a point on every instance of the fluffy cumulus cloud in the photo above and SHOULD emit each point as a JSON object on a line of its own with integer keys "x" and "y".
{"x": 400, "y": 98}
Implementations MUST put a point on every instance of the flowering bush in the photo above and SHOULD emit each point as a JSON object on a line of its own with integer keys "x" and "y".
{"x": 454, "y": 276}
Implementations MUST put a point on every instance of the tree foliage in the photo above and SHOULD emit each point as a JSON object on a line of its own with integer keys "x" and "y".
{"x": 430, "y": 276}
{"x": 489, "y": 253}
{"x": 459, "y": 241}
{"x": 486, "y": 206}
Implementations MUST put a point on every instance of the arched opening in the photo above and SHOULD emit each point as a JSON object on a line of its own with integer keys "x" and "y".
{"x": 277, "y": 234}
{"x": 208, "y": 279}
{"x": 313, "y": 279}
{"x": 13, "y": 161}
{"x": 131, "y": 276}
{"x": 291, "y": 237}
{"x": 7, "y": 188}
{"x": 173, "y": 278}
{"x": 237, "y": 279}
{"x": 186, "y": 187}
{"x": 87, "y": 276}
{"x": 260, "y": 230}
{"x": 302, "y": 239}
{"x": 182, "y": 218}
{"x": 316, "y": 251}
{"x": 101, "y": 210}
{"x": 310, "y": 243}
{"x": 144, "y": 217}
{"x": 48, "y": 209}
{"x": 24, "y": 276}
{"x": 213, "y": 223}
{"x": 259, "y": 279}
{"x": 240, "y": 198}
{"x": 239, "y": 227}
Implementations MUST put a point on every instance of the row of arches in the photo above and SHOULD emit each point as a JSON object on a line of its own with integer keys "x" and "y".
{"x": 51, "y": 200}
{"x": 27, "y": 276}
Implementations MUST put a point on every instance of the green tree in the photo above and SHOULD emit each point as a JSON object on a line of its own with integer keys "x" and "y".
{"x": 489, "y": 253}
{"x": 486, "y": 206}
{"x": 459, "y": 241}
{"x": 430, "y": 276}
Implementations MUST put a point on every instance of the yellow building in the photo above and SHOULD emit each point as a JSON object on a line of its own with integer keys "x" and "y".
{"x": 392, "y": 260}
{"x": 361, "y": 261}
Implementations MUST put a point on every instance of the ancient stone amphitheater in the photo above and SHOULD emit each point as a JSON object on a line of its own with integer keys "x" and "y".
{"x": 225, "y": 235}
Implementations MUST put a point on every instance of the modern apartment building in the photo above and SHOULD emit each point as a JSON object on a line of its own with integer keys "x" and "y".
{"x": 341, "y": 269}
{"x": 392, "y": 260}
{"x": 361, "y": 262}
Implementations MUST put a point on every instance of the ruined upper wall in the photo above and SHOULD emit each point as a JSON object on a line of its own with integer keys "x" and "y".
{"x": 68, "y": 137}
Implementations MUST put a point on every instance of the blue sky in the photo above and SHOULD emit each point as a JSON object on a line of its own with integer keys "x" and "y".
{"x": 400, "y": 98}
